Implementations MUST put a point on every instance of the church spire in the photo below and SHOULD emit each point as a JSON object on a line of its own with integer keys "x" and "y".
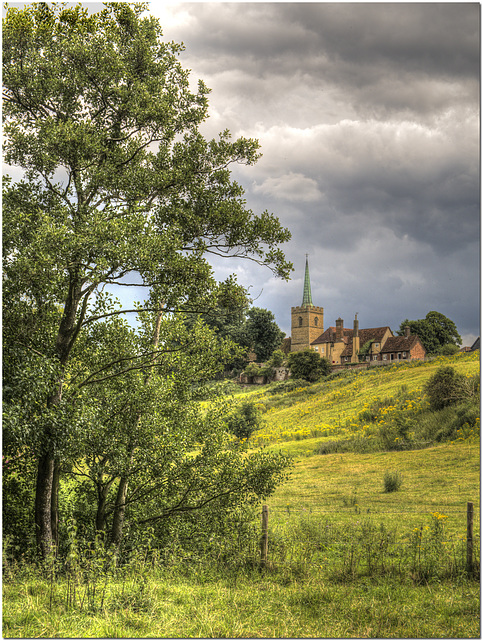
{"x": 307, "y": 301}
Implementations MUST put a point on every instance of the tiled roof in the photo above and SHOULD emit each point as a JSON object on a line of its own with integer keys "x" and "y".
{"x": 376, "y": 335}
{"x": 400, "y": 343}
{"x": 329, "y": 335}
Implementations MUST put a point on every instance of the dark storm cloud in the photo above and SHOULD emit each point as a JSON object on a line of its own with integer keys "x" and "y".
{"x": 368, "y": 119}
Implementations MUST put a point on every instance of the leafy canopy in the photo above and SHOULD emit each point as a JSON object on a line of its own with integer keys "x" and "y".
{"x": 435, "y": 331}
{"x": 308, "y": 365}
{"x": 119, "y": 189}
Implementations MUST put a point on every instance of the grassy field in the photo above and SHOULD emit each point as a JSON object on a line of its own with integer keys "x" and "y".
{"x": 256, "y": 607}
{"x": 346, "y": 558}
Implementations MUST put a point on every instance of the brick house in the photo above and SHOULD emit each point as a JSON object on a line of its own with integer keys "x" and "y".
{"x": 406, "y": 347}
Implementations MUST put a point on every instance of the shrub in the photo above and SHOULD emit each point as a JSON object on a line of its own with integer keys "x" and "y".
{"x": 252, "y": 370}
{"x": 448, "y": 350}
{"x": 244, "y": 420}
{"x": 308, "y": 365}
{"x": 392, "y": 481}
{"x": 277, "y": 358}
{"x": 446, "y": 387}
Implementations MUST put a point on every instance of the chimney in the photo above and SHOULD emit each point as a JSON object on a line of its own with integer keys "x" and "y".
{"x": 355, "y": 341}
{"x": 339, "y": 330}
{"x": 407, "y": 331}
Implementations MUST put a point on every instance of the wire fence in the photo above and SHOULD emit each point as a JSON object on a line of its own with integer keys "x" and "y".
{"x": 406, "y": 543}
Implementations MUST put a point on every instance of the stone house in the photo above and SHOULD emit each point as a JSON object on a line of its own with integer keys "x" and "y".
{"x": 340, "y": 345}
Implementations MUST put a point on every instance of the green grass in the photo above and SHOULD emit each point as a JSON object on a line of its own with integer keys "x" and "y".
{"x": 260, "y": 607}
{"x": 335, "y": 408}
{"x": 346, "y": 558}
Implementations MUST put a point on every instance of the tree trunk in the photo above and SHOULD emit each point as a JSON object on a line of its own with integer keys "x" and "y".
{"x": 43, "y": 504}
{"x": 48, "y": 476}
{"x": 54, "y": 506}
{"x": 100, "y": 516}
{"x": 119, "y": 513}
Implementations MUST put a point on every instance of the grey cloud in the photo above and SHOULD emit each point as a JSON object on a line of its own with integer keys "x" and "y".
{"x": 368, "y": 119}
{"x": 364, "y": 50}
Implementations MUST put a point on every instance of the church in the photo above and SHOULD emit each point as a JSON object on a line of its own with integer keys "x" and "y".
{"x": 343, "y": 346}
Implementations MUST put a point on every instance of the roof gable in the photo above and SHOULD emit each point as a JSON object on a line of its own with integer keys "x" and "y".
{"x": 400, "y": 343}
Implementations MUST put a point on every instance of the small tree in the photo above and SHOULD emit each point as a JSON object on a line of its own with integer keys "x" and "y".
{"x": 308, "y": 365}
{"x": 244, "y": 420}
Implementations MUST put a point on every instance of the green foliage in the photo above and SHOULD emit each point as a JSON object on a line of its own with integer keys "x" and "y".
{"x": 267, "y": 372}
{"x": 252, "y": 369}
{"x": 244, "y": 420}
{"x": 435, "y": 331}
{"x": 446, "y": 387}
{"x": 18, "y": 482}
{"x": 392, "y": 481}
{"x": 308, "y": 365}
{"x": 277, "y": 358}
{"x": 448, "y": 350}
{"x": 100, "y": 117}
{"x": 262, "y": 333}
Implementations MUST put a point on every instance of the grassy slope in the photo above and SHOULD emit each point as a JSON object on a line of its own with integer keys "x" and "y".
{"x": 343, "y": 487}
{"x": 441, "y": 478}
{"x": 332, "y": 408}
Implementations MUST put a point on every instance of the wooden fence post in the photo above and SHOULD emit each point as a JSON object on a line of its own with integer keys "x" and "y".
{"x": 264, "y": 535}
{"x": 470, "y": 537}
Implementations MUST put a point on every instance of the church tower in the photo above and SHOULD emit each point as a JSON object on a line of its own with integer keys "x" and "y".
{"x": 307, "y": 320}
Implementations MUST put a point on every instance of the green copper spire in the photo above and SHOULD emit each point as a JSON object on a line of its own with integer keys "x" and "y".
{"x": 307, "y": 301}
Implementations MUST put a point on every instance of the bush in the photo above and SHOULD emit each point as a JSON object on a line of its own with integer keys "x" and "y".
{"x": 448, "y": 350}
{"x": 308, "y": 365}
{"x": 244, "y": 420}
{"x": 252, "y": 370}
{"x": 277, "y": 358}
{"x": 447, "y": 387}
{"x": 392, "y": 481}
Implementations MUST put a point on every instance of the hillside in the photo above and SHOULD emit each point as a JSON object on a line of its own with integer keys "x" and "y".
{"x": 356, "y": 416}
{"x": 349, "y": 404}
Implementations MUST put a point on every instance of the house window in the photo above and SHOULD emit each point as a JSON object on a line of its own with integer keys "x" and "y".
{"x": 322, "y": 349}
{"x": 316, "y": 348}
{"x": 384, "y": 356}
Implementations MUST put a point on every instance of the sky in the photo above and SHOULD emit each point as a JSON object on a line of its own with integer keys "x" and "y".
{"x": 368, "y": 120}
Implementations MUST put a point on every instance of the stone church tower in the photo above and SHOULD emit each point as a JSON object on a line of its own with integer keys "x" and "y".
{"x": 307, "y": 320}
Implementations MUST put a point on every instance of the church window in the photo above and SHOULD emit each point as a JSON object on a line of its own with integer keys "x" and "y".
{"x": 300, "y": 322}
{"x": 316, "y": 322}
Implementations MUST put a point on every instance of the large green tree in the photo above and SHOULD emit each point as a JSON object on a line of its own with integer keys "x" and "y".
{"x": 435, "y": 331}
{"x": 154, "y": 452}
{"x": 119, "y": 188}
{"x": 262, "y": 333}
